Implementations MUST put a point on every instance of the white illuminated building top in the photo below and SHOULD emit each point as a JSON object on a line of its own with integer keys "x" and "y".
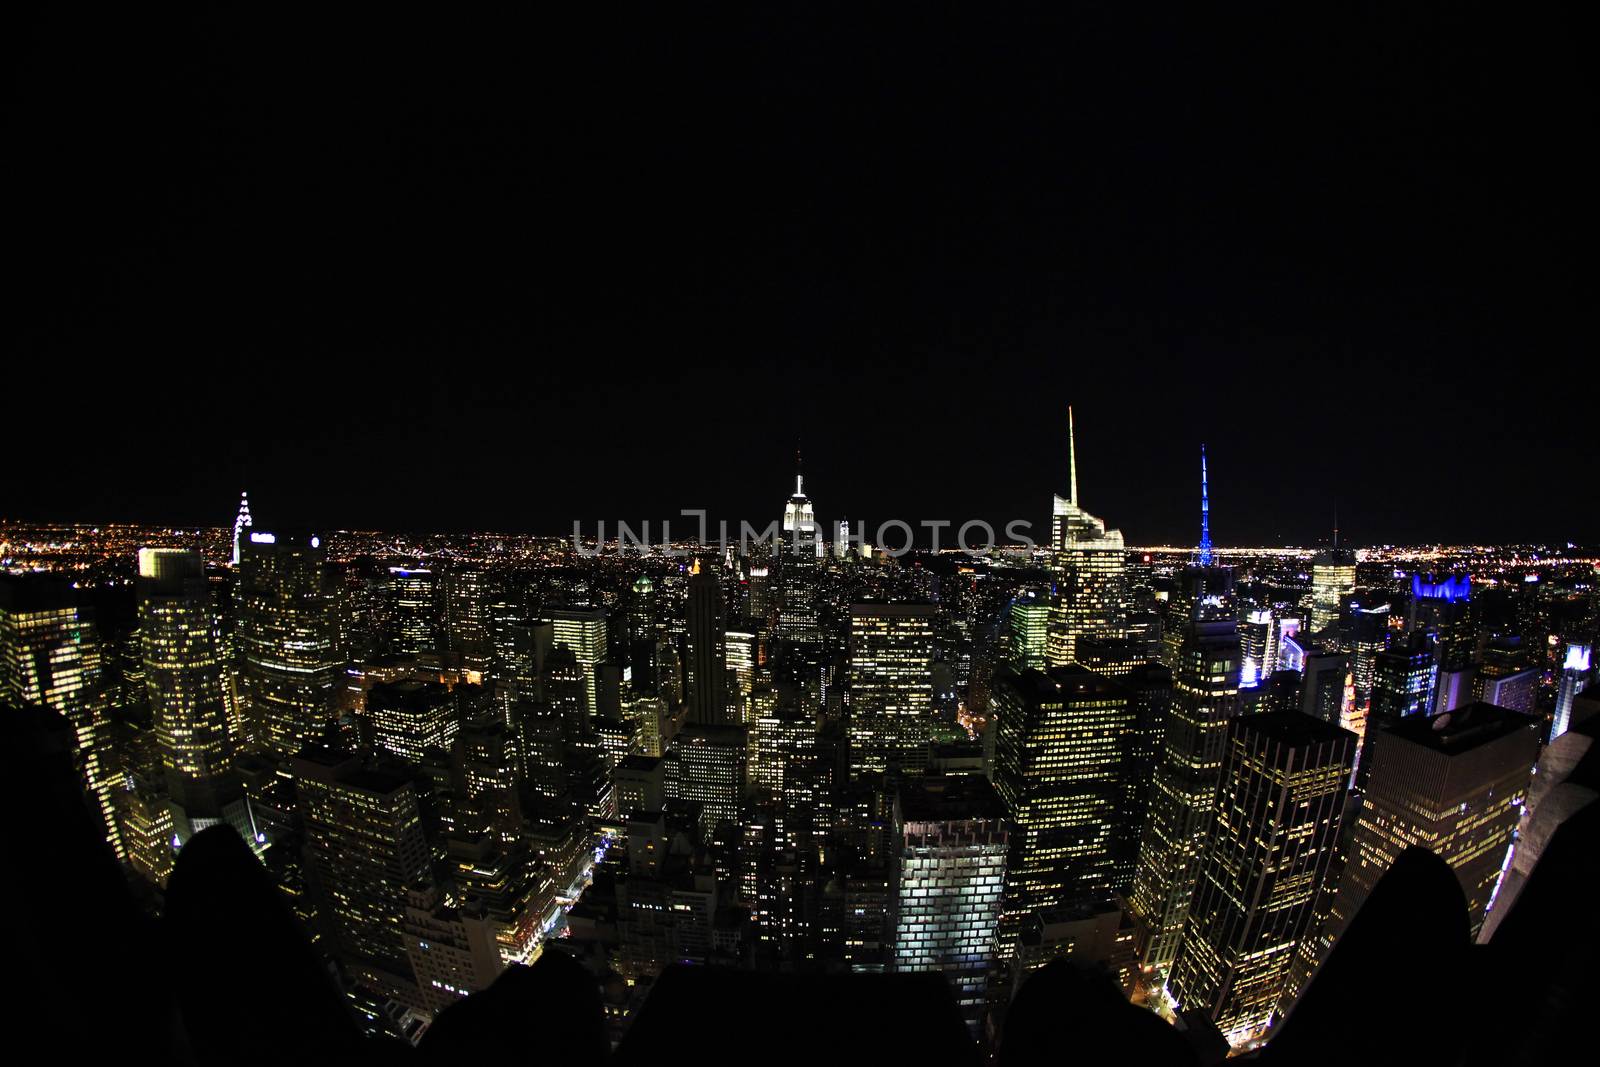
{"x": 1070, "y": 525}
{"x": 798, "y": 517}
{"x": 241, "y": 524}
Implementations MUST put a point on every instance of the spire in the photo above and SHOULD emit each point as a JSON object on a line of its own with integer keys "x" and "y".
{"x": 241, "y": 523}
{"x": 1205, "y": 514}
{"x": 1072, "y": 456}
{"x": 799, "y": 478}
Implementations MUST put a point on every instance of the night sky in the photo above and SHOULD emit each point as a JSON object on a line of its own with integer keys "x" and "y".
{"x": 394, "y": 272}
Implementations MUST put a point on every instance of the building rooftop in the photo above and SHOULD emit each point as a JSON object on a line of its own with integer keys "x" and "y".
{"x": 1462, "y": 730}
{"x": 939, "y": 799}
{"x": 1293, "y": 727}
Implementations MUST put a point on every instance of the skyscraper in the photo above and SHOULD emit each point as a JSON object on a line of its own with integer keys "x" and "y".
{"x": 468, "y": 623}
{"x": 365, "y": 841}
{"x": 1453, "y": 784}
{"x": 708, "y": 650}
{"x": 1271, "y": 846}
{"x": 1088, "y": 561}
{"x": 584, "y": 631}
{"x": 1028, "y": 626}
{"x": 1064, "y": 748}
{"x": 241, "y": 524}
{"x": 1333, "y": 577}
{"x": 709, "y": 765}
{"x": 409, "y": 717}
{"x": 1575, "y": 675}
{"x": 185, "y": 683}
{"x": 50, "y": 656}
{"x": 287, "y": 638}
{"x": 1205, "y": 695}
{"x": 413, "y": 628}
{"x": 952, "y": 860}
{"x": 800, "y": 529}
{"x": 891, "y": 686}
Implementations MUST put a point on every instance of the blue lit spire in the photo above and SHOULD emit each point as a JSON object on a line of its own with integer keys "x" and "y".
{"x": 1205, "y": 514}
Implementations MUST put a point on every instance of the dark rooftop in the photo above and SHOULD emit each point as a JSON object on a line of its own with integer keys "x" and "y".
{"x": 1463, "y": 729}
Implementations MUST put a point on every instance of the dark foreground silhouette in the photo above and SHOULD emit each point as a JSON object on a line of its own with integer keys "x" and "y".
{"x": 228, "y": 976}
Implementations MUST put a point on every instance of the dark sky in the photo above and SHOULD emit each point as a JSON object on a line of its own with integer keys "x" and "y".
{"x": 393, "y": 271}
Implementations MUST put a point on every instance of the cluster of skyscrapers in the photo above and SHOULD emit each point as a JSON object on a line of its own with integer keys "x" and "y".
{"x": 1184, "y": 771}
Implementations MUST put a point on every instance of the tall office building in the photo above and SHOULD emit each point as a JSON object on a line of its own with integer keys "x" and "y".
{"x": 745, "y": 646}
{"x": 50, "y": 656}
{"x": 185, "y": 684}
{"x": 409, "y": 718}
{"x": 1403, "y": 678}
{"x": 1270, "y": 851}
{"x": 1440, "y": 607}
{"x": 891, "y": 686}
{"x": 1333, "y": 577}
{"x": 287, "y": 628}
{"x": 1064, "y": 749}
{"x": 468, "y": 623}
{"x": 708, "y": 649}
{"x": 242, "y": 522}
{"x": 1323, "y": 691}
{"x": 1089, "y": 561}
{"x": 952, "y": 864}
{"x": 1369, "y": 636}
{"x": 1205, "y": 695}
{"x": 1028, "y": 628}
{"x": 1254, "y": 632}
{"x": 801, "y": 533}
{"x": 365, "y": 842}
{"x": 1506, "y": 677}
{"x": 1574, "y": 677}
{"x": 709, "y": 765}
{"x": 1453, "y": 784}
{"x": 413, "y": 611}
{"x": 584, "y": 631}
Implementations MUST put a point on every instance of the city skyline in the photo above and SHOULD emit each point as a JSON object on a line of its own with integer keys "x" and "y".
{"x": 1014, "y": 534}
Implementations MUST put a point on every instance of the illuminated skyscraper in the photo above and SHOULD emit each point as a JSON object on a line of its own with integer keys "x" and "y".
{"x": 1453, "y": 784}
{"x": 1272, "y": 845}
{"x": 413, "y": 611}
{"x": 801, "y": 533}
{"x": 1253, "y": 638}
{"x": 1204, "y": 556}
{"x": 583, "y": 630}
{"x": 1028, "y": 626}
{"x": 408, "y": 718}
{"x": 241, "y": 525}
{"x": 708, "y": 649}
{"x": 287, "y": 635}
{"x": 1402, "y": 681}
{"x": 1333, "y": 577}
{"x": 1322, "y": 693}
{"x": 710, "y": 766}
{"x": 946, "y": 912}
{"x": 50, "y": 656}
{"x": 1089, "y": 561}
{"x": 1440, "y": 607}
{"x": 891, "y": 686}
{"x": 1205, "y": 695}
{"x": 184, "y": 680}
{"x": 365, "y": 841}
{"x": 468, "y": 622}
{"x": 1064, "y": 749}
{"x": 1370, "y": 635}
{"x": 1575, "y": 675}
{"x": 1506, "y": 677}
